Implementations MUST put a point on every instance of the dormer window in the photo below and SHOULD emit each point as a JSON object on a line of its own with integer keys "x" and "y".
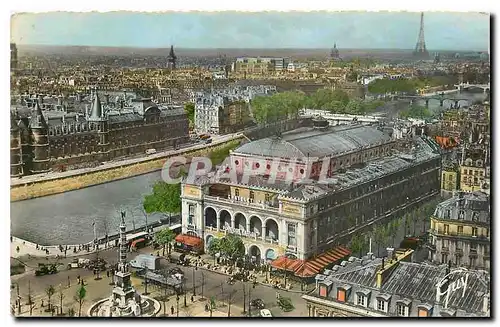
{"x": 424, "y": 310}
{"x": 382, "y": 302}
{"x": 381, "y": 305}
{"x": 362, "y": 298}
{"x": 323, "y": 290}
{"x": 343, "y": 293}
{"x": 403, "y": 308}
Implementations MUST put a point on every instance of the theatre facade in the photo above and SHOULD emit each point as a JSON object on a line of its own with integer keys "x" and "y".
{"x": 319, "y": 187}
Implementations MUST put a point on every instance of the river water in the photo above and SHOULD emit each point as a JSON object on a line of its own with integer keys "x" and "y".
{"x": 67, "y": 218}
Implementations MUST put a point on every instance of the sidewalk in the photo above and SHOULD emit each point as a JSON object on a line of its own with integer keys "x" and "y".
{"x": 27, "y": 248}
{"x": 260, "y": 277}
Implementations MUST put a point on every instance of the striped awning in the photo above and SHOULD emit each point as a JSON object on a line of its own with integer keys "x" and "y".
{"x": 285, "y": 263}
{"x": 313, "y": 266}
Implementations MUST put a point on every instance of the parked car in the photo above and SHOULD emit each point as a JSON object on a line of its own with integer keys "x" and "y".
{"x": 44, "y": 269}
{"x": 176, "y": 272}
{"x": 257, "y": 303}
{"x": 285, "y": 303}
{"x": 266, "y": 313}
{"x": 178, "y": 258}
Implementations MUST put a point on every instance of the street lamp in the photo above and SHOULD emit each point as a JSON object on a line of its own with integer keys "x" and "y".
{"x": 194, "y": 280}
{"x": 146, "y": 216}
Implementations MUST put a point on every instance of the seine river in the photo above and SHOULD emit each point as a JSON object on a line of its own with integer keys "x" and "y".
{"x": 67, "y": 218}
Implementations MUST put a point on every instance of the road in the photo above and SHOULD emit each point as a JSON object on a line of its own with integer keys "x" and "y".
{"x": 216, "y": 139}
{"x": 212, "y": 286}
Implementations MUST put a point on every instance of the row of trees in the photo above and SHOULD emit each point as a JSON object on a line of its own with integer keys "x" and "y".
{"x": 279, "y": 106}
{"x": 409, "y": 85}
{"x": 50, "y": 291}
{"x": 416, "y": 111}
{"x": 269, "y": 109}
{"x": 384, "y": 235}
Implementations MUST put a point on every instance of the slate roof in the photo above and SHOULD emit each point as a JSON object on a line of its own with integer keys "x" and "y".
{"x": 312, "y": 142}
{"x": 116, "y": 118}
{"x": 470, "y": 204}
{"x": 412, "y": 282}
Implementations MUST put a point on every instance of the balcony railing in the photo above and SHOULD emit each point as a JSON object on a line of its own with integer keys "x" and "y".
{"x": 243, "y": 233}
{"x": 442, "y": 232}
{"x": 244, "y": 202}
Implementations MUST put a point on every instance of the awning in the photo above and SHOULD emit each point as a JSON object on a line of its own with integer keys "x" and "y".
{"x": 134, "y": 243}
{"x": 313, "y": 267}
{"x": 285, "y": 263}
{"x": 188, "y": 240}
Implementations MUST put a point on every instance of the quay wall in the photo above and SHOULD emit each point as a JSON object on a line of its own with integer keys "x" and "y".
{"x": 74, "y": 182}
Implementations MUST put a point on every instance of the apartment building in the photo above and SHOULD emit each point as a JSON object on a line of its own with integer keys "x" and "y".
{"x": 399, "y": 288}
{"x": 460, "y": 231}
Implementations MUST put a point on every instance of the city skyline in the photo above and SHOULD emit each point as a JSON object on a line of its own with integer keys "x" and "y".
{"x": 349, "y": 30}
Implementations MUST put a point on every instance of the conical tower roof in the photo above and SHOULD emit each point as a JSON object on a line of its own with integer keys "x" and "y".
{"x": 37, "y": 120}
{"x": 96, "y": 109}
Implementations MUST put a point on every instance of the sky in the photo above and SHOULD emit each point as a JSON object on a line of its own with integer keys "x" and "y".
{"x": 358, "y": 30}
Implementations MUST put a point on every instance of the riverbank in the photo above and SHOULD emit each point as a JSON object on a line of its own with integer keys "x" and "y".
{"x": 24, "y": 190}
{"x": 28, "y": 248}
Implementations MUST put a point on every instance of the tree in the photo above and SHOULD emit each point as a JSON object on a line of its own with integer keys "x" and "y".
{"x": 355, "y": 107}
{"x": 165, "y": 237}
{"x": 31, "y": 303}
{"x": 164, "y": 298}
{"x": 212, "y": 305}
{"x": 268, "y": 109}
{"x": 378, "y": 234}
{"x": 357, "y": 244}
{"x": 203, "y": 282}
{"x": 416, "y": 111}
{"x": 189, "y": 109}
{"x": 165, "y": 198}
{"x": 217, "y": 156}
{"x": 394, "y": 227}
{"x": 81, "y": 293}
{"x": 71, "y": 312}
{"x": 230, "y": 301}
{"x": 61, "y": 297}
{"x": 232, "y": 247}
{"x": 214, "y": 247}
{"x": 50, "y": 290}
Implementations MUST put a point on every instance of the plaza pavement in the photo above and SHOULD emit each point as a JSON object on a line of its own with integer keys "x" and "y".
{"x": 215, "y": 285}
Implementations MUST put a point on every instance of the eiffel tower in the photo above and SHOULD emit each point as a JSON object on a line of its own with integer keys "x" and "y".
{"x": 420, "y": 49}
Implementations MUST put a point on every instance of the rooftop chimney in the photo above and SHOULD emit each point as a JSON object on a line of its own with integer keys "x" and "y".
{"x": 486, "y": 303}
{"x": 385, "y": 271}
{"x": 370, "y": 253}
{"x": 390, "y": 253}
